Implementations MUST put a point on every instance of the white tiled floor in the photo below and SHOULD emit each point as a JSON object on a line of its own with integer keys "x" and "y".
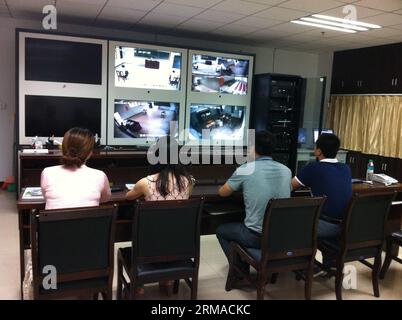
{"x": 212, "y": 275}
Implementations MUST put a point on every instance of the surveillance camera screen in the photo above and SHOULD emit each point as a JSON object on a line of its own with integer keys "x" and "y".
{"x": 147, "y": 68}
{"x": 218, "y": 74}
{"x": 216, "y": 122}
{"x": 144, "y": 119}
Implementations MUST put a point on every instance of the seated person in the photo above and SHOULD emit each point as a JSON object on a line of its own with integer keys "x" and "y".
{"x": 327, "y": 177}
{"x": 172, "y": 182}
{"x": 269, "y": 179}
{"x": 73, "y": 184}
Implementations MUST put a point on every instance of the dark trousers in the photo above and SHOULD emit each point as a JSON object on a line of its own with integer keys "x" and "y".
{"x": 328, "y": 231}
{"x": 239, "y": 233}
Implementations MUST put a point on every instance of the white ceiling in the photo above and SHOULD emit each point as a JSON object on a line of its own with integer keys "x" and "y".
{"x": 259, "y": 22}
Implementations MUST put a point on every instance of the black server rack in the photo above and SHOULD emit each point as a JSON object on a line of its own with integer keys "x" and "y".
{"x": 277, "y": 107}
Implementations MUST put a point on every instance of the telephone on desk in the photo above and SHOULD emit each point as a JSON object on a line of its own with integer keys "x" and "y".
{"x": 383, "y": 178}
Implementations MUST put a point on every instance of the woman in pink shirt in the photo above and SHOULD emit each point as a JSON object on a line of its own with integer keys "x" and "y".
{"x": 73, "y": 184}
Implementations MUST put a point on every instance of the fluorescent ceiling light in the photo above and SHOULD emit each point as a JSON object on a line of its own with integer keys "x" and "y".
{"x": 348, "y": 21}
{"x": 319, "y": 25}
{"x": 336, "y": 24}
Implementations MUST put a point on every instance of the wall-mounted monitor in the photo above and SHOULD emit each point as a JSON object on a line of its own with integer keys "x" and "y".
{"x": 217, "y": 123}
{"x": 46, "y": 116}
{"x": 219, "y": 74}
{"x": 316, "y": 133}
{"x": 138, "y": 122}
{"x": 63, "y": 61}
{"x": 62, "y": 84}
{"x": 146, "y": 92}
{"x": 147, "y": 68}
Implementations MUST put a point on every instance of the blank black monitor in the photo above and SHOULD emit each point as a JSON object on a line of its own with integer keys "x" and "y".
{"x": 63, "y": 61}
{"x": 47, "y": 115}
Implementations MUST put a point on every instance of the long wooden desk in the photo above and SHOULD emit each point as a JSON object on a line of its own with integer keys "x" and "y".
{"x": 214, "y": 213}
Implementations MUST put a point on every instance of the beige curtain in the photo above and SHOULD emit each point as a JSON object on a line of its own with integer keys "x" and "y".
{"x": 370, "y": 124}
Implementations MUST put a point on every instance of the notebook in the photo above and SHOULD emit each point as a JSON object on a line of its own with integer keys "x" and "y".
{"x": 32, "y": 193}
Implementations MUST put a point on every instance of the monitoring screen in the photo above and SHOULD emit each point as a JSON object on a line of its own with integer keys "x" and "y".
{"x": 46, "y": 115}
{"x": 144, "y": 119}
{"x": 219, "y": 74}
{"x": 316, "y": 133}
{"x": 63, "y": 61}
{"x": 147, "y": 68}
{"x": 216, "y": 122}
{"x": 302, "y": 136}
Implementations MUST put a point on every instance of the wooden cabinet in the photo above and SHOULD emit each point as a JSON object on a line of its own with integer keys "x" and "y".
{"x": 358, "y": 164}
{"x": 368, "y": 70}
{"x": 353, "y": 159}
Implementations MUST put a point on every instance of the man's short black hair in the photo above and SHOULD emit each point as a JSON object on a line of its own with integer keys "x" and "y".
{"x": 265, "y": 143}
{"x": 329, "y": 144}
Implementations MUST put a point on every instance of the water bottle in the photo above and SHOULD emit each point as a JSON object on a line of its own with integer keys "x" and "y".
{"x": 370, "y": 170}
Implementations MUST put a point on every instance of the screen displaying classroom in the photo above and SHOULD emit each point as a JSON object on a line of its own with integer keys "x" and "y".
{"x": 218, "y": 122}
{"x": 147, "y": 68}
{"x": 219, "y": 74}
{"x": 144, "y": 119}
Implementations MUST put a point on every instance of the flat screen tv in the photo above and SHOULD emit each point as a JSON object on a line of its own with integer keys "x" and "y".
{"x": 146, "y": 120}
{"x": 217, "y": 122}
{"x": 49, "y": 115}
{"x": 144, "y": 68}
{"x": 219, "y": 74}
{"x": 316, "y": 133}
{"x": 63, "y": 61}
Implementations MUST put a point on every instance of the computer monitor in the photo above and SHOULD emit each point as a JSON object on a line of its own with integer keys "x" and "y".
{"x": 134, "y": 120}
{"x": 302, "y": 137}
{"x": 316, "y": 133}
{"x": 147, "y": 68}
{"x": 222, "y": 122}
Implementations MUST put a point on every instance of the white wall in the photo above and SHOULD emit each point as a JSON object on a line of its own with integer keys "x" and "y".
{"x": 267, "y": 60}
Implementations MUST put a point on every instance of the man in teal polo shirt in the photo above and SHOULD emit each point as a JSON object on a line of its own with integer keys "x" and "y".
{"x": 269, "y": 179}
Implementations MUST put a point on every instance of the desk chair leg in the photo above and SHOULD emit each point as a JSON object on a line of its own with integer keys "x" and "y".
{"x": 375, "y": 273}
{"x": 119, "y": 282}
{"x": 230, "y": 278}
{"x": 261, "y": 281}
{"x": 194, "y": 287}
{"x": 388, "y": 259}
{"x": 176, "y": 286}
{"x": 339, "y": 279}
{"x": 308, "y": 282}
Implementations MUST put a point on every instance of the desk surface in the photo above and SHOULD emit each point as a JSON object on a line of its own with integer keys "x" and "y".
{"x": 211, "y": 193}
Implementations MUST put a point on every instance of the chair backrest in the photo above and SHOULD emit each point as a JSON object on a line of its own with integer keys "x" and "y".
{"x": 290, "y": 227}
{"x": 364, "y": 222}
{"x": 166, "y": 230}
{"x": 78, "y": 242}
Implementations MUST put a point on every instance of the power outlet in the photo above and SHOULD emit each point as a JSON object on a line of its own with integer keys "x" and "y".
{"x": 3, "y": 105}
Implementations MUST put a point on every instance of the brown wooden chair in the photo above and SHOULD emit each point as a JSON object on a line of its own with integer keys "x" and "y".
{"x": 393, "y": 241}
{"x": 165, "y": 246}
{"x": 361, "y": 238}
{"x": 79, "y": 243}
{"x": 288, "y": 243}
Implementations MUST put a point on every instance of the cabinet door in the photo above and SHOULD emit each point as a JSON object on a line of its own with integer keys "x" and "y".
{"x": 339, "y": 72}
{"x": 390, "y": 75}
{"x": 353, "y": 159}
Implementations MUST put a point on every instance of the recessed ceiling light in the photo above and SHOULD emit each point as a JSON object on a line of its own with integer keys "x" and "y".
{"x": 348, "y": 21}
{"x": 318, "y": 25}
{"x": 336, "y": 24}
